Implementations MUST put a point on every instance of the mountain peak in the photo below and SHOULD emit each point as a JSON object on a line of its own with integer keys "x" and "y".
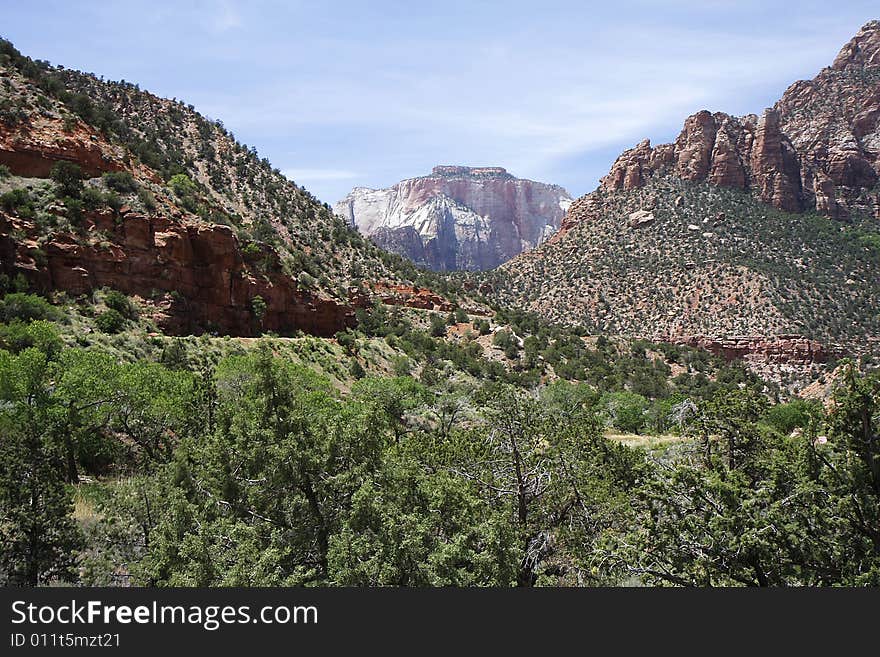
{"x": 458, "y": 217}
{"x": 863, "y": 50}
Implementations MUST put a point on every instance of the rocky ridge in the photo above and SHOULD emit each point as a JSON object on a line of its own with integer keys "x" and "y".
{"x": 817, "y": 148}
{"x": 760, "y": 226}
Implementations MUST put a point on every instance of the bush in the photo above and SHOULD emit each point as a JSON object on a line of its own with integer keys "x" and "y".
{"x": 120, "y": 181}
{"x": 18, "y": 201}
{"x": 116, "y": 300}
{"x": 785, "y": 418}
{"x": 438, "y": 326}
{"x": 68, "y": 176}
{"x": 110, "y": 321}
{"x": 182, "y": 186}
{"x": 356, "y": 369}
{"x": 92, "y": 198}
{"x": 74, "y": 208}
{"x": 259, "y": 307}
{"x": 401, "y": 366}
{"x": 113, "y": 201}
{"x": 4, "y": 171}
{"x": 625, "y": 411}
{"x": 26, "y": 307}
{"x": 145, "y": 196}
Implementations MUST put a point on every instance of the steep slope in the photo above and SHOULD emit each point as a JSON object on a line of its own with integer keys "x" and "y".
{"x": 721, "y": 233}
{"x": 200, "y": 227}
{"x": 458, "y": 217}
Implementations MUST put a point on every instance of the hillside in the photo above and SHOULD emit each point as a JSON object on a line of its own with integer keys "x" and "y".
{"x": 208, "y": 380}
{"x": 458, "y": 217}
{"x": 165, "y": 204}
{"x": 743, "y": 226}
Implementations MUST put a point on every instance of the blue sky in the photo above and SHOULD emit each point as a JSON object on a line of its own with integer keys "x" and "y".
{"x": 344, "y": 94}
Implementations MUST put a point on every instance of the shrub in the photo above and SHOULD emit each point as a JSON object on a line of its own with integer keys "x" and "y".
{"x": 110, "y": 321}
{"x": 145, "y": 196}
{"x": 18, "y": 335}
{"x": 624, "y": 411}
{"x": 92, "y": 198}
{"x": 18, "y": 201}
{"x": 401, "y": 366}
{"x": 120, "y": 181}
{"x": 259, "y": 307}
{"x": 116, "y": 300}
{"x": 438, "y": 326}
{"x": 785, "y": 418}
{"x": 113, "y": 201}
{"x": 26, "y": 307}
{"x": 356, "y": 369}
{"x": 68, "y": 176}
{"x": 74, "y": 208}
{"x": 4, "y": 171}
{"x": 182, "y": 186}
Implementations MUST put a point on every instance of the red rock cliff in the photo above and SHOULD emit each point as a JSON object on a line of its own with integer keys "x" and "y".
{"x": 818, "y": 147}
{"x": 196, "y": 272}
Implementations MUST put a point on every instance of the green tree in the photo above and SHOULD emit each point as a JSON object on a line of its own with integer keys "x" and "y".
{"x": 37, "y": 531}
{"x": 69, "y": 178}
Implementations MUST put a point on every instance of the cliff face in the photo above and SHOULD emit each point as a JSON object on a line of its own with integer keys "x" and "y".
{"x": 817, "y": 148}
{"x": 458, "y": 217}
{"x": 193, "y": 274}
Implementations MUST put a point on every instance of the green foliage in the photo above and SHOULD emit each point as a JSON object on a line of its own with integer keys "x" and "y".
{"x": 37, "y": 532}
{"x": 121, "y": 182}
{"x": 785, "y": 418}
{"x": 18, "y": 201}
{"x": 26, "y": 307}
{"x": 110, "y": 321}
{"x": 438, "y": 326}
{"x": 17, "y": 336}
{"x": 145, "y": 196}
{"x": 259, "y": 308}
{"x": 748, "y": 510}
{"x": 92, "y": 198}
{"x": 68, "y": 177}
{"x": 116, "y": 300}
{"x": 625, "y": 411}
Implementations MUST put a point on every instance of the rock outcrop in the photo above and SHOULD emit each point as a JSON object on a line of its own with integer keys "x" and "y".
{"x": 781, "y": 349}
{"x": 194, "y": 273}
{"x": 31, "y": 148}
{"x": 458, "y": 217}
{"x": 817, "y": 148}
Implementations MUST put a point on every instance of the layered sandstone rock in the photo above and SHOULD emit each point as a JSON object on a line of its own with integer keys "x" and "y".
{"x": 31, "y": 148}
{"x": 458, "y": 217}
{"x": 818, "y": 147}
{"x": 782, "y": 349}
{"x": 195, "y": 273}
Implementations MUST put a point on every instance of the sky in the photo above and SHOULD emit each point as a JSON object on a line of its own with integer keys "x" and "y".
{"x": 339, "y": 94}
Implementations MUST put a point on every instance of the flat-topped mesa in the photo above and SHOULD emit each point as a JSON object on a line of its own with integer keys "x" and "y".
{"x": 456, "y": 170}
{"x": 458, "y": 217}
